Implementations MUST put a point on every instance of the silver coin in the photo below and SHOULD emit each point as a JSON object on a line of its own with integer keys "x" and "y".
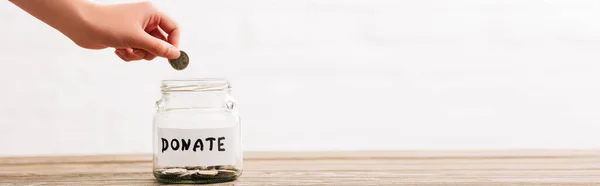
{"x": 207, "y": 172}
{"x": 226, "y": 173}
{"x": 181, "y": 62}
{"x": 188, "y": 173}
{"x": 174, "y": 171}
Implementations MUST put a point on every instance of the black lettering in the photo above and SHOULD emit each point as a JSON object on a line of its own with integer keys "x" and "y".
{"x": 165, "y": 144}
{"x": 211, "y": 139}
{"x": 174, "y": 144}
{"x": 198, "y": 144}
{"x": 184, "y": 145}
{"x": 221, "y": 144}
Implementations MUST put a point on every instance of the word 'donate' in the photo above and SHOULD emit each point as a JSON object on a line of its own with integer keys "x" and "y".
{"x": 186, "y": 144}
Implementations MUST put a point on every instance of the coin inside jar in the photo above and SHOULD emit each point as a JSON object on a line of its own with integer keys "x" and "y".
{"x": 181, "y": 62}
{"x": 197, "y": 174}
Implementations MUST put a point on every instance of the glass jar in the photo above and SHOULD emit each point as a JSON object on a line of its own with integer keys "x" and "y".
{"x": 197, "y": 137}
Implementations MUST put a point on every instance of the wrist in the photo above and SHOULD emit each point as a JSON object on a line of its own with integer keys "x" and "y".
{"x": 80, "y": 26}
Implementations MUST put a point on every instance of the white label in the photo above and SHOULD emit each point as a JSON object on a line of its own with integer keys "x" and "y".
{"x": 196, "y": 147}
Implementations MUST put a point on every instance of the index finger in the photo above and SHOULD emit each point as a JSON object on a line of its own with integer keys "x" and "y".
{"x": 171, "y": 28}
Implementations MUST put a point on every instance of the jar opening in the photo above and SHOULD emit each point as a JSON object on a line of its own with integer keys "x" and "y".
{"x": 195, "y": 85}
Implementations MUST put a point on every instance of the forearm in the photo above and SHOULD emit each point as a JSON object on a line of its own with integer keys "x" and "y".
{"x": 66, "y": 16}
{"x": 135, "y": 30}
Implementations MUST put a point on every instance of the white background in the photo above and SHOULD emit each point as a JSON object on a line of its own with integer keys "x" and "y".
{"x": 323, "y": 75}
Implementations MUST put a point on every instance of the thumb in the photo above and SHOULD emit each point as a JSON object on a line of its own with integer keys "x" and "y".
{"x": 155, "y": 46}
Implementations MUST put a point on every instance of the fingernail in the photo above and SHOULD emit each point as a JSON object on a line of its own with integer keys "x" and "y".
{"x": 120, "y": 53}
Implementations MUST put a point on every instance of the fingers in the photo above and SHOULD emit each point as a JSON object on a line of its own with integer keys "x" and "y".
{"x": 129, "y": 54}
{"x": 155, "y": 46}
{"x": 156, "y": 43}
{"x": 171, "y": 28}
{"x": 151, "y": 41}
{"x": 157, "y": 33}
{"x": 121, "y": 54}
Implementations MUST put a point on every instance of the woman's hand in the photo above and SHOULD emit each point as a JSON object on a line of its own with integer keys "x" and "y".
{"x": 135, "y": 30}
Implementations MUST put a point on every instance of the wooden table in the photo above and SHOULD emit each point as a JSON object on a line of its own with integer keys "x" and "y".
{"x": 539, "y": 167}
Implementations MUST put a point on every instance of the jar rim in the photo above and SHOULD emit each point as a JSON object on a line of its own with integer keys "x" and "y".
{"x": 195, "y": 85}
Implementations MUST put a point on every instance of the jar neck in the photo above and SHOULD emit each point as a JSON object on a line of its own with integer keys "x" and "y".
{"x": 196, "y": 94}
{"x": 196, "y": 100}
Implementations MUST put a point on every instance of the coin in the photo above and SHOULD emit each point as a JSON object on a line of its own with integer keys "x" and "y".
{"x": 181, "y": 62}
{"x": 174, "y": 171}
{"x": 197, "y": 173}
{"x": 226, "y": 173}
{"x": 207, "y": 172}
{"x": 188, "y": 174}
{"x": 225, "y": 167}
{"x": 195, "y": 167}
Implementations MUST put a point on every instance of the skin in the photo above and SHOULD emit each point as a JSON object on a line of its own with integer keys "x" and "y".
{"x": 135, "y": 30}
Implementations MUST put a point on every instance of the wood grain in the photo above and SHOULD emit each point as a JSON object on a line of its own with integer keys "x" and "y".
{"x": 524, "y": 167}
